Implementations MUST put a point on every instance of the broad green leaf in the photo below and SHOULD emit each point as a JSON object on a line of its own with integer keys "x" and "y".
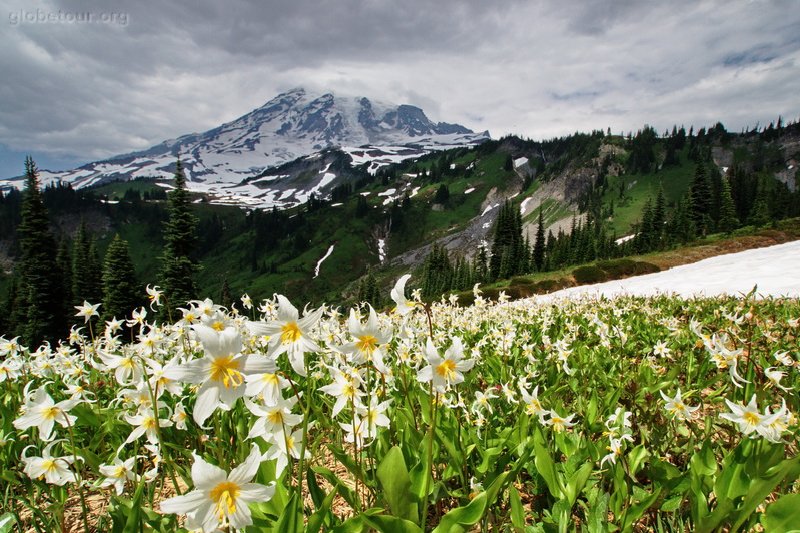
{"x": 316, "y": 520}
{"x": 291, "y": 521}
{"x": 7, "y": 522}
{"x": 546, "y": 467}
{"x": 517, "y": 512}
{"x": 396, "y": 484}
{"x": 783, "y": 515}
{"x": 458, "y": 519}
{"x": 597, "y": 517}
{"x": 391, "y": 524}
{"x": 133, "y": 524}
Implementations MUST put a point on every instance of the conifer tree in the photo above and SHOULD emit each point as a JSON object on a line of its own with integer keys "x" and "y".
{"x": 225, "y": 296}
{"x": 122, "y": 293}
{"x": 86, "y": 271}
{"x": 759, "y": 215}
{"x": 177, "y": 266}
{"x": 727, "y": 210}
{"x": 700, "y": 192}
{"x": 539, "y": 245}
{"x": 64, "y": 260}
{"x": 40, "y": 278}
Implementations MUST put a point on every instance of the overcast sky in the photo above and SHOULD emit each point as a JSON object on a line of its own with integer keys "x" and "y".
{"x": 76, "y": 90}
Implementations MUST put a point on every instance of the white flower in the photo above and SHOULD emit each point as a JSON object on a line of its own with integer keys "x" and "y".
{"x": 369, "y": 338}
{"x": 615, "y": 449}
{"x": 118, "y": 473}
{"x": 41, "y": 411}
{"x": 283, "y": 446}
{"x": 154, "y": 295}
{"x": 220, "y": 372}
{"x": 290, "y": 334}
{"x": 676, "y": 407}
{"x": 445, "y": 371}
{"x": 775, "y": 376}
{"x": 533, "y": 406}
{"x": 661, "y": 350}
{"x": 87, "y": 310}
{"x": 220, "y": 500}
{"x": 403, "y": 306}
{"x": 558, "y": 422}
{"x": 144, "y": 423}
{"x": 55, "y": 470}
{"x": 747, "y": 417}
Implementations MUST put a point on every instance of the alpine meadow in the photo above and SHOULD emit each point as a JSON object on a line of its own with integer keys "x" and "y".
{"x": 340, "y": 313}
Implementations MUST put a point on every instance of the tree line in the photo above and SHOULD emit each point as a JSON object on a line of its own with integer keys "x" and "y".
{"x": 51, "y": 278}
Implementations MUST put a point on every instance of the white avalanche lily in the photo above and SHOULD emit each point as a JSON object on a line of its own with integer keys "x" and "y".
{"x": 41, "y": 411}
{"x": 676, "y": 406}
{"x": 221, "y": 373}
{"x": 398, "y": 295}
{"x": 289, "y": 333}
{"x": 445, "y": 371}
{"x": 220, "y": 500}
{"x": 55, "y": 470}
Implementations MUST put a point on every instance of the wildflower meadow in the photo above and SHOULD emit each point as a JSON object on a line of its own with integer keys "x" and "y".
{"x": 629, "y": 414}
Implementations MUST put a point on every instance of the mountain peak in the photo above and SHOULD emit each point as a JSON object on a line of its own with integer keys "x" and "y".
{"x": 295, "y": 123}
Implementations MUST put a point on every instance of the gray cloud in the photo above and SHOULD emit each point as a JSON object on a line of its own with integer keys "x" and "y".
{"x": 88, "y": 90}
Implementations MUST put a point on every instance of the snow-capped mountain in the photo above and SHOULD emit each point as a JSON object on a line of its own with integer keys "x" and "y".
{"x": 291, "y": 125}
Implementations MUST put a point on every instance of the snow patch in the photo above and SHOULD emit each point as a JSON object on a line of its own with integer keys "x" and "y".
{"x": 414, "y": 192}
{"x": 489, "y": 209}
{"x": 471, "y": 189}
{"x": 773, "y": 269}
{"x": 624, "y": 239}
{"x": 324, "y": 257}
{"x": 523, "y": 204}
{"x": 381, "y": 250}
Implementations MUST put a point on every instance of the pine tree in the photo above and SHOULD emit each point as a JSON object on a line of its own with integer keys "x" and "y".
{"x": 727, "y": 210}
{"x": 539, "y": 245}
{"x": 86, "y": 271}
{"x": 700, "y": 193}
{"x": 760, "y": 215}
{"x": 40, "y": 278}
{"x": 225, "y": 296}
{"x": 122, "y": 293}
{"x": 64, "y": 260}
{"x": 178, "y": 268}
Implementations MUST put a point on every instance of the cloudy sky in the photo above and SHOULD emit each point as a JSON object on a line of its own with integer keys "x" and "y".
{"x": 87, "y": 80}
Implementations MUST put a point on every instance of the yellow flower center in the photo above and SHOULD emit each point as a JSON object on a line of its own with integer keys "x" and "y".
{"x": 751, "y": 418}
{"x": 224, "y": 496}
{"x": 149, "y": 422}
{"x": 290, "y": 333}
{"x": 120, "y": 471}
{"x": 49, "y": 465}
{"x": 367, "y": 343}
{"x": 226, "y": 370}
{"x": 272, "y": 379}
{"x": 446, "y": 369}
{"x": 218, "y": 325}
{"x": 276, "y": 417}
{"x": 51, "y": 412}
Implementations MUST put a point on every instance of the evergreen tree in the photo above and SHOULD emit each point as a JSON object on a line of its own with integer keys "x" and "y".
{"x": 442, "y": 194}
{"x": 40, "y": 278}
{"x": 178, "y": 268}
{"x": 122, "y": 293}
{"x": 727, "y": 210}
{"x": 700, "y": 193}
{"x": 86, "y": 271}
{"x": 760, "y": 215}
{"x": 539, "y": 245}
{"x": 64, "y": 260}
{"x": 225, "y": 296}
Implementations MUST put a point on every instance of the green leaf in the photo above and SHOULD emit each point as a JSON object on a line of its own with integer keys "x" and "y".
{"x": 597, "y": 517}
{"x": 396, "y": 484}
{"x": 7, "y": 522}
{"x": 391, "y": 524}
{"x": 291, "y": 521}
{"x": 133, "y": 524}
{"x": 636, "y": 458}
{"x": 316, "y": 520}
{"x": 517, "y": 511}
{"x": 458, "y": 519}
{"x": 783, "y": 515}
{"x": 546, "y": 467}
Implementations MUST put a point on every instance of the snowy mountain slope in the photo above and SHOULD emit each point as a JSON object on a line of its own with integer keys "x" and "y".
{"x": 291, "y": 125}
{"x": 774, "y": 269}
